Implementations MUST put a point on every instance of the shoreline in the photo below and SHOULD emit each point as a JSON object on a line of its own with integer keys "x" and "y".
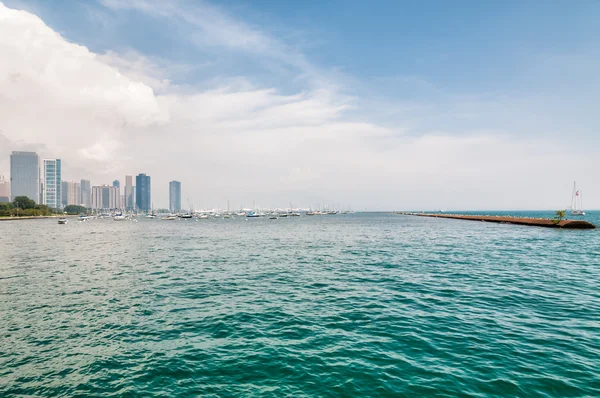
{"x": 34, "y": 217}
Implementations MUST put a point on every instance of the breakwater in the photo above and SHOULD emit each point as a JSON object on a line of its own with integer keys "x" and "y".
{"x": 536, "y": 222}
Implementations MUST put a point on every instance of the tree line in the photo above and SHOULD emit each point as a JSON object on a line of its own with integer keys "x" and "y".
{"x": 22, "y": 206}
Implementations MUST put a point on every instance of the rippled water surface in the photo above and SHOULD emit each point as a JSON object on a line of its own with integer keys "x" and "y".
{"x": 357, "y": 305}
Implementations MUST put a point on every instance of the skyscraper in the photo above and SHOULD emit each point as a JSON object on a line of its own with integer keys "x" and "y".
{"x": 64, "y": 188}
{"x": 175, "y": 196}
{"x": 105, "y": 197}
{"x": 86, "y": 193}
{"x": 71, "y": 193}
{"x": 142, "y": 195}
{"x": 117, "y": 185}
{"x": 129, "y": 193}
{"x": 52, "y": 183}
{"x": 4, "y": 190}
{"x": 25, "y": 175}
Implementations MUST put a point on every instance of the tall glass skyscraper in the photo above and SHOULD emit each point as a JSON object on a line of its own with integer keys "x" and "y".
{"x": 175, "y": 196}
{"x": 86, "y": 193}
{"x": 142, "y": 194}
{"x": 25, "y": 175}
{"x": 52, "y": 183}
{"x": 117, "y": 184}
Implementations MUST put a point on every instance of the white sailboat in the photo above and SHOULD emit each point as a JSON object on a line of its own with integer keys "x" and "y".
{"x": 577, "y": 202}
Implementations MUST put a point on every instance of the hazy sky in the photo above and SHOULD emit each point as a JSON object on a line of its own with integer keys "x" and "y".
{"x": 381, "y": 105}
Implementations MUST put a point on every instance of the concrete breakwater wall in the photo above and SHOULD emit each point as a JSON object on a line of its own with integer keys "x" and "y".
{"x": 536, "y": 222}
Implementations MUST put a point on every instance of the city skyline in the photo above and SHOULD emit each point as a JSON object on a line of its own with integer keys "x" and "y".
{"x": 491, "y": 108}
{"x": 41, "y": 180}
{"x": 45, "y": 175}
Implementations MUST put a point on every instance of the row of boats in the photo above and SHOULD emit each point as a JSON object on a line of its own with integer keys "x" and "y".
{"x": 207, "y": 215}
{"x": 247, "y": 214}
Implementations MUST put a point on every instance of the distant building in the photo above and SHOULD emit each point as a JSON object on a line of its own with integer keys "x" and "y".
{"x": 86, "y": 193}
{"x": 25, "y": 175}
{"x": 128, "y": 195}
{"x": 117, "y": 185}
{"x": 175, "y": 196}
{"x": 64, "y": 188}
{"x": 52, "y": 183}
{"x": 105, "y": 197}
{"x": 4, "y": 190}
{"x": 143, "y": 193}
{"x": 71, "y": 193}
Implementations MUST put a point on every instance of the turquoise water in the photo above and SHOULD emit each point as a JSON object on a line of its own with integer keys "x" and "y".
{"x": 357, "y": 305}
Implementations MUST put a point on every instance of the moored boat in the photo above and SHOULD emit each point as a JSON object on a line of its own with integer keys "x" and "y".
{"x": 577, "y": 202}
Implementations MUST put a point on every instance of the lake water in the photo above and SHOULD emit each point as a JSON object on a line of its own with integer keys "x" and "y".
{"x": 354, "y": 305}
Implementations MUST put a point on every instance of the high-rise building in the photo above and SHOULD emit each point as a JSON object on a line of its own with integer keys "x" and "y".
{"x": 52, "y": 186}
{"x": 175, "y": 196}
{"x": 64, "y": 188}
{"x": 128, "y": 194}
{"x": 143, "y": 194}
{"x": 25, "y": 175}
{"x": 117, "y": 184}
{"x": 4, "y": 190}
{"x": 86, "y": 194}
{"x": 71, "y": 193}
{"x": 105, "y": 197}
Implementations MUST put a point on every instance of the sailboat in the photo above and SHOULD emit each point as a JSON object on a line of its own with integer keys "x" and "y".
{"x": 577, "y": 202}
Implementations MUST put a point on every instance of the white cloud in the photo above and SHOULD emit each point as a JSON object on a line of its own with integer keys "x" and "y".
{"x": 58, "y": 94}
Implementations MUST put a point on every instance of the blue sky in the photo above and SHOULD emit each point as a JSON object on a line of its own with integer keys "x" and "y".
{"x": 461, "y": 46}
{"x": 525, "y": 73}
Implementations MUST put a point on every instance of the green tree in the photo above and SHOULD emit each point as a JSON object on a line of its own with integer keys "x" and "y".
{"x": 74, "y": 209}
{"x": 559, "y": 216}
{"x": 23, "y": 203}
{"x": 43, "y": 210}
{"x": 5, "y": 209}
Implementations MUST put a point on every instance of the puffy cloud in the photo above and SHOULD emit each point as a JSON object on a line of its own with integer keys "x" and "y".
{"x": 59, "y": 94}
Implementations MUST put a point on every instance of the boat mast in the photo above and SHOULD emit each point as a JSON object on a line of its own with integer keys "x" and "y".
{"x": 573, "y": 200}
